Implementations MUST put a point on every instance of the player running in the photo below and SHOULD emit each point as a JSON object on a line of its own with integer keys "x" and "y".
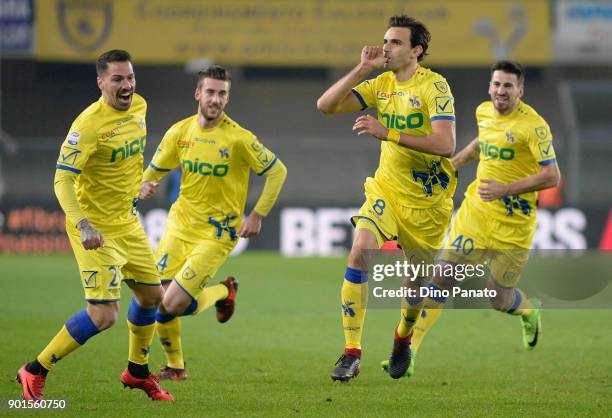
{"x": 517, "y": 159}
{"x": 216, "y": 156}
{"x": 410, "y": 196}
{"x": 97, "y": 181}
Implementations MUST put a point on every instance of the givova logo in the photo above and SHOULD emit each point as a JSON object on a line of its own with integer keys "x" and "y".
{"x": 204, "y": 168}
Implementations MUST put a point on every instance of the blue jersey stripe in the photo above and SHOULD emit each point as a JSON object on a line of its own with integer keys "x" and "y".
{"x": 363, "y": 103}
{"x": 441, "y": 118}
{"x": 154, "y": 167}
{"x": 548, "y": 162}
{"x": 268, "y": 167}
{"x": 64, "y": 167}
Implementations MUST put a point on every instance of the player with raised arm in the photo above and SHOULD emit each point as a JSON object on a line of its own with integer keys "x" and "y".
{"x": 516, "y": 160}
{"x": 97, "y": 182}
{"x": 410, "y": 196}
{"x": 216, "y": 156}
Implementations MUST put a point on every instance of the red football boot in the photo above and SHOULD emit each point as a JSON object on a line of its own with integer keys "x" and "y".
{"x": 150, "y": 386}
{"x": 225, "y": 307}
{"x": 170, "y": 373}
{"x": 33, "y": 384}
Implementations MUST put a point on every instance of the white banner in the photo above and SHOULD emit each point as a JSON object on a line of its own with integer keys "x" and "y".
{"x": 583, "y": 32}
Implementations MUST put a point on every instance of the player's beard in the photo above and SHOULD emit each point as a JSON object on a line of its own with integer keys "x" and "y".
{"x": 124, "y": 103}
{"x": 212, "y": 112}
{"x": 502, "y": 106}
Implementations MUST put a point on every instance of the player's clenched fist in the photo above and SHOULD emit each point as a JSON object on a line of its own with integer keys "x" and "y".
{"x": 373, "y": 56}
{"x": 91, "y": 238}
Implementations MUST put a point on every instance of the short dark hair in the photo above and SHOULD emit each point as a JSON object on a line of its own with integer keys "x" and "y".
{"x": 419, "y": 35}
{"x": 216, "y": 72}
{"x": 510, "y": 67}
{"x": 114, "y": 55}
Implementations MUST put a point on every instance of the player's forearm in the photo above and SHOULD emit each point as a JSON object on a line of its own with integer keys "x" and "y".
{"x": 65, "y": 190}
{"x": 467, "y": 154}
{"x": 330, "y": 101}
{"x": 275, "y": 178}
{"x": 438, "y": 143}
{"x": 534, "y": 183}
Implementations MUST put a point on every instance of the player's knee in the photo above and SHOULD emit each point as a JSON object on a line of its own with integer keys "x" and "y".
{"x": 175, "y": 306}
{"x": 151, "y": 297}
{"x": 105, "y": 319}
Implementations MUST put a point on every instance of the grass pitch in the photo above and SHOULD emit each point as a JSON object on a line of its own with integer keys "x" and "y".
{"x": 274, "y": 357}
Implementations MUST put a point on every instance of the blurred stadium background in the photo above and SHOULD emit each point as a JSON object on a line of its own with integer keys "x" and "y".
{"x": 283, "y": 54}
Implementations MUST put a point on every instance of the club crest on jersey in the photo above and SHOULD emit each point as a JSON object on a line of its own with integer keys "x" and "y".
{"x": 441, "y": 86}
{"x": 510, "y": 136}
{"x": 73, "y": 137}
{"x": 434, "y": 176}
{"x": 224, "y": 153}
{"x": 541, "y": 132}
{"x": 188, "y": 273}
{"x": 414, "y": 101}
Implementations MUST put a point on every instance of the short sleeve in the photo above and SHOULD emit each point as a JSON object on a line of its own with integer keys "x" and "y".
{"x": 541, "y": 144}
{"x": 439, "y": 100}
{"x": 80, "y": 143}
{"x": 365, "y": 94}
{"x": 258, "y": 157}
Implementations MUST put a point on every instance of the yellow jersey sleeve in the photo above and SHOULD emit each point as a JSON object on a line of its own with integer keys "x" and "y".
{"x": 366, "y": 93}
{"x": 439, "y": 100}
{"x": 78, "y": 146}
{"x": 80, "y": 143}
{"x": 275, "y": 178}
{"x": 165, "y": 159}
{"x": 541, "y": 143}
{"x": 258, "y": 157}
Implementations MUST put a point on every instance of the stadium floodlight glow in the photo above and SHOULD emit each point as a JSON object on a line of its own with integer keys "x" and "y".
{"x": 194, "y": 66}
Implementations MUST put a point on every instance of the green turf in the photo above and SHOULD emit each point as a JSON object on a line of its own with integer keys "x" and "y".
{"x": 274, "y": 357}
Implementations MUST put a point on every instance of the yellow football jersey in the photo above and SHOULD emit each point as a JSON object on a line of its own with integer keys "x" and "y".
{"x": 512, "y": 147}
{"x": 216, "y": 165}
{"x": 414, "y": 178}
{"x": 105, "y": 148}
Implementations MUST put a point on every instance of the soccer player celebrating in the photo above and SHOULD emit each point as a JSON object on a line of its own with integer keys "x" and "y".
{"x": 517, "y": 159}
{"x": 410, "y": 196}
{"x": 216, "y": 156}
{"x": 97, "y": 182}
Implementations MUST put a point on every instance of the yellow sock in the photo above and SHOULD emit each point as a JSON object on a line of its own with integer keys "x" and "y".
{"x": 426, "y": 321}
{"x": 169, "y": 333}
{"x": 211, "y": 295}
{"x": 60, "y": 346}
{"x": 432, "y": 309}
{"x": 354, "y": 302}
{"x": 522, "y": 305}
{"x": 73, "y": 334}
{"x": 141, "y": 326}
{"x": 408, "y": 317}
